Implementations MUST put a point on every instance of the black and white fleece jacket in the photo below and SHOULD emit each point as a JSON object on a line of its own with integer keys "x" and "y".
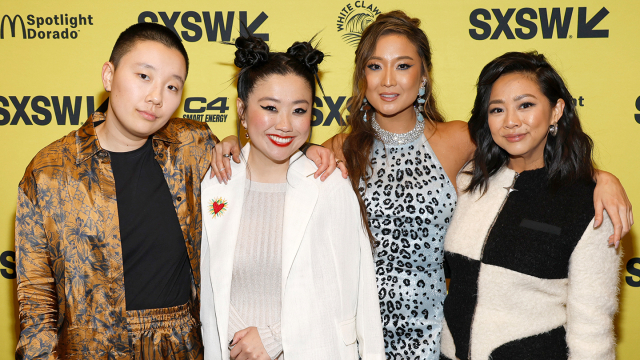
{"x": 530, "y": 276}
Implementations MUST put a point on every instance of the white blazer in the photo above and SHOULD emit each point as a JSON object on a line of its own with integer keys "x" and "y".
{"x": 329, "y": 294}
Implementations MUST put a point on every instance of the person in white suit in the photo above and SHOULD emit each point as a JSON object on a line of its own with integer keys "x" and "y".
{"x": 287, "y": 268}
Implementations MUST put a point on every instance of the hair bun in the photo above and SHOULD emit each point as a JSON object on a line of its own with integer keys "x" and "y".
{"x": 251, "y": 51}
{"x": 306, "y": 54}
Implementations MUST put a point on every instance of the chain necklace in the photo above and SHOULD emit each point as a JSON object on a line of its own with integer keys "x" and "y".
{"x": 390, "y": 138}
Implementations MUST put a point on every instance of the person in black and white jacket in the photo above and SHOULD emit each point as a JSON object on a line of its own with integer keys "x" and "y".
{"x": 531, "y": 278}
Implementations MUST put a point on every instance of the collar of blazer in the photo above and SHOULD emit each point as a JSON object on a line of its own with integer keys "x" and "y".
{"x": 222, "y": 210}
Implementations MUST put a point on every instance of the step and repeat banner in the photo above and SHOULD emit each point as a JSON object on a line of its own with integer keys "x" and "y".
{"x": 52, "y": 54}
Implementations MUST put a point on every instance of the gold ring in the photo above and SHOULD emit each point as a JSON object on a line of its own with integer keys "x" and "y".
{"x": 338, "y": 161}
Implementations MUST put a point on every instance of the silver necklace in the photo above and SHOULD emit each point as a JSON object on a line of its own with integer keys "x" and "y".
{"x": 390, "y": 138}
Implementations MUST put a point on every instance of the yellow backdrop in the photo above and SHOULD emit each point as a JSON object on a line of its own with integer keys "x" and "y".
{"x": 53, "y": 51}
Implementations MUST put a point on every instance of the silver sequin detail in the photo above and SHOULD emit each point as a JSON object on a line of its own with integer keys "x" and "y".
{"x": 390, "y": 138}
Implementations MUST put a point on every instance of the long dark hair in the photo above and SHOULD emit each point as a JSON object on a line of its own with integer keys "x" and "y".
{"x": 358, "y": 143}
{"x": 567, "y": 156}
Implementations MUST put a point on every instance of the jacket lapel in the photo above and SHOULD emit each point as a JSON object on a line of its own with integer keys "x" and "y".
{"x": 222, "y": 211}
{"x": 222, "y": 229}
{"x": 300, "y": 200}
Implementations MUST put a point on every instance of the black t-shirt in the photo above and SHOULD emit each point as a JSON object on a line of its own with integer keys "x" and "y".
{"x": 156, "y": 263}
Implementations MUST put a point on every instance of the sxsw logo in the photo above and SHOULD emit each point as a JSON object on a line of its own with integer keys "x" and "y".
{"x": 197, "y": 24}
{"x": 40, "y": 109}
{"x": 550, "y": 21}
{"x": 321, "y": 117}
{"x": 633, "y": 268}
{"x": 8, "y": 261}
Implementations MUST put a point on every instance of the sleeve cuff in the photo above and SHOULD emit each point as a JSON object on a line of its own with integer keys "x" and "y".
{"x": 271, "y": 340}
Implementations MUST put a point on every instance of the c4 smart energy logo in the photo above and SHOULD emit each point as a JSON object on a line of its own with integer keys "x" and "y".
{"x": 354, "y": 18}
{"x": 199, "y": 108}
{"x": 204, "y": 24}
{"x": 550, "y": 21}
{"x": 57, "y": 26}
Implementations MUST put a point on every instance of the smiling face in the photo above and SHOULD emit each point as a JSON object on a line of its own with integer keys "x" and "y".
{"x": 519, "y": 117}
{"x": 277, "y": 117}
{"x": 394, "y": 74}
{"x": 146, "y": 89}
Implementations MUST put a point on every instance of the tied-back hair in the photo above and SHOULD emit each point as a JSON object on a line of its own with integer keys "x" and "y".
{"x": 358, "y": 143}
{"x": 257, "y": 62}
{"x": 567, "y": 156}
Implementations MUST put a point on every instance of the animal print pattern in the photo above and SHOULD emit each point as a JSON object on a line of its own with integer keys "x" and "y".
{"x": 409, "y": 201}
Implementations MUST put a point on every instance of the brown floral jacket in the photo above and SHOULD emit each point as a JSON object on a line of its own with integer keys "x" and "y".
{"x": 67, "y": 239}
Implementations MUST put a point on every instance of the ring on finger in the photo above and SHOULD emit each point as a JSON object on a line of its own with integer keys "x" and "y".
{"x": 338, "y": 161}
{"x": 221, "y": 169}
{"x": 226, "y": 155}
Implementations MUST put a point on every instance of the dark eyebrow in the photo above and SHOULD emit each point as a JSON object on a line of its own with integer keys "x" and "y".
{"x": 301, "y": 101}
{"x": 398, "y": 58}
{"x": 269, "y": 99}
{"x": 517, "y": 98}
{"x": 520, "y": 97}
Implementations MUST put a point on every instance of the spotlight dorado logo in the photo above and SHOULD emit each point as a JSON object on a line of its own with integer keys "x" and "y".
{"x": 58, "y": 26}
{"x": 354, "y": 18}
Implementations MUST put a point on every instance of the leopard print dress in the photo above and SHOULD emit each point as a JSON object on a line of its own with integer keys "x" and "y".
{"x": 409, "y": 201}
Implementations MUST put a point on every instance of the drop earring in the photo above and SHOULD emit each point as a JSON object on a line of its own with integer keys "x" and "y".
{"x": 364, "y": 108}
{"x": 421, "y": 100}
{"x": 246, "y": 132}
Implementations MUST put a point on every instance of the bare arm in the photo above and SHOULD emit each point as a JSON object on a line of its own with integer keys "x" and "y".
{"x": 610, "y": 195}
{"x": 229, "y": 148}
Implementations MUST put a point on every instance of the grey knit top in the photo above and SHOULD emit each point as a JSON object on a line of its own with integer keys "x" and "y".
{"x": 256, "y": 286}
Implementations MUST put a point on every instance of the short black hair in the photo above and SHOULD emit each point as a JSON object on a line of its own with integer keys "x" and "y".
{"x": 146, "y": 32}
{"x": 568, "y": 156}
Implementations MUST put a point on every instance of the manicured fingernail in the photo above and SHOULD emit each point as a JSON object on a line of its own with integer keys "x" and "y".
{"x": 231, "y": 342}
{"x": 617, "y": 244}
